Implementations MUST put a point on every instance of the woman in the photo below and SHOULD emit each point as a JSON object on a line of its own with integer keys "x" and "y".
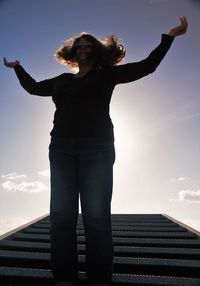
{"x": 82, "y": 151}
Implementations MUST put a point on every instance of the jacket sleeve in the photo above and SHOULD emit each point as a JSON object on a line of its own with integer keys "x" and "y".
{"x": 133, "y": 71}
{"x": 41, "y": 88}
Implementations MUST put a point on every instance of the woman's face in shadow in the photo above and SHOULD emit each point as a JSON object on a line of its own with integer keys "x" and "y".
{"x": 84, "y": 50}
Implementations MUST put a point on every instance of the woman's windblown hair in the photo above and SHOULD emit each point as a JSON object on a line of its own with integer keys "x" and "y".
{"x": 108, "y": 51}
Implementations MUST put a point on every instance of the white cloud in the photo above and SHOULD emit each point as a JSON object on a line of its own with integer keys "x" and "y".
{"x": 179, "y": 179}
{"x": 28, "y": 187}
{"x": 45, "y": 173}
{"x": 12, "y": 223}
{"x": 189, "y": 196}
{"x": 13, "y": 176}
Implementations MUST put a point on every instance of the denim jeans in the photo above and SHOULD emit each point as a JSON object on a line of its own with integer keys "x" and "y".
{"x": 81, "y": 166}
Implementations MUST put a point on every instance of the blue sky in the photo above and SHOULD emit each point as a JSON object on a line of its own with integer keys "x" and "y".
{"x": 156, "y": 119}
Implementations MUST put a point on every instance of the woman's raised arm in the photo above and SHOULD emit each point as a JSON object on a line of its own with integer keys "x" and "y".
{"x": 10, "y": 64}
{"x": 41, "y": 88}
{"x": 136, "y": 70}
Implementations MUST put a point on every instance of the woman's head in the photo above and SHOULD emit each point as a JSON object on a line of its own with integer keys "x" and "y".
{"x": 85, "y": 50}
{"x": 105, "y": 52}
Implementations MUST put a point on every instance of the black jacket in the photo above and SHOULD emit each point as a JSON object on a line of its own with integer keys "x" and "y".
{"x": 82, "y": 104}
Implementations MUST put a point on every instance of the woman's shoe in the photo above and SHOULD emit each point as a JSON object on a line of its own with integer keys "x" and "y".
{"x": 65, "y": 284}
{"x": 99, "y": 284}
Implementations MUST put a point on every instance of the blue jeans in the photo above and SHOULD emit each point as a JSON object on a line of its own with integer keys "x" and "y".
{"x": 81, "y": 166}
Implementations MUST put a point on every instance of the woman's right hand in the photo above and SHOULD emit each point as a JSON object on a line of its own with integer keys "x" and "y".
{"x": 181, "y": 29}
{"x": 10, "y": 64}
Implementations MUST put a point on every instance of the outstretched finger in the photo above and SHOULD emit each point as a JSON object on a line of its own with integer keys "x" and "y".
{"x": 5, "y": 61}
{"x": 184, "y": 21}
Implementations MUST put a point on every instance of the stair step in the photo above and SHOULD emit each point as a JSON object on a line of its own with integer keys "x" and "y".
{"x": 119, "y": 240}
{"x": 190, "y": 268}
{"x": 126, "y": 233}
{"x": 186, "y": 253}
{"x": 38, "y": 227}
{"x": 125, "y": 223}
{"x": 43, "y": 277}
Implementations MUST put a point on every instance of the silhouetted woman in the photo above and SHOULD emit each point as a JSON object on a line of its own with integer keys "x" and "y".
{"x": 81, "y": 150}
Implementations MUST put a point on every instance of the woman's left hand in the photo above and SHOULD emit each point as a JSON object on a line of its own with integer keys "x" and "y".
{"x": 181, "y": 29}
